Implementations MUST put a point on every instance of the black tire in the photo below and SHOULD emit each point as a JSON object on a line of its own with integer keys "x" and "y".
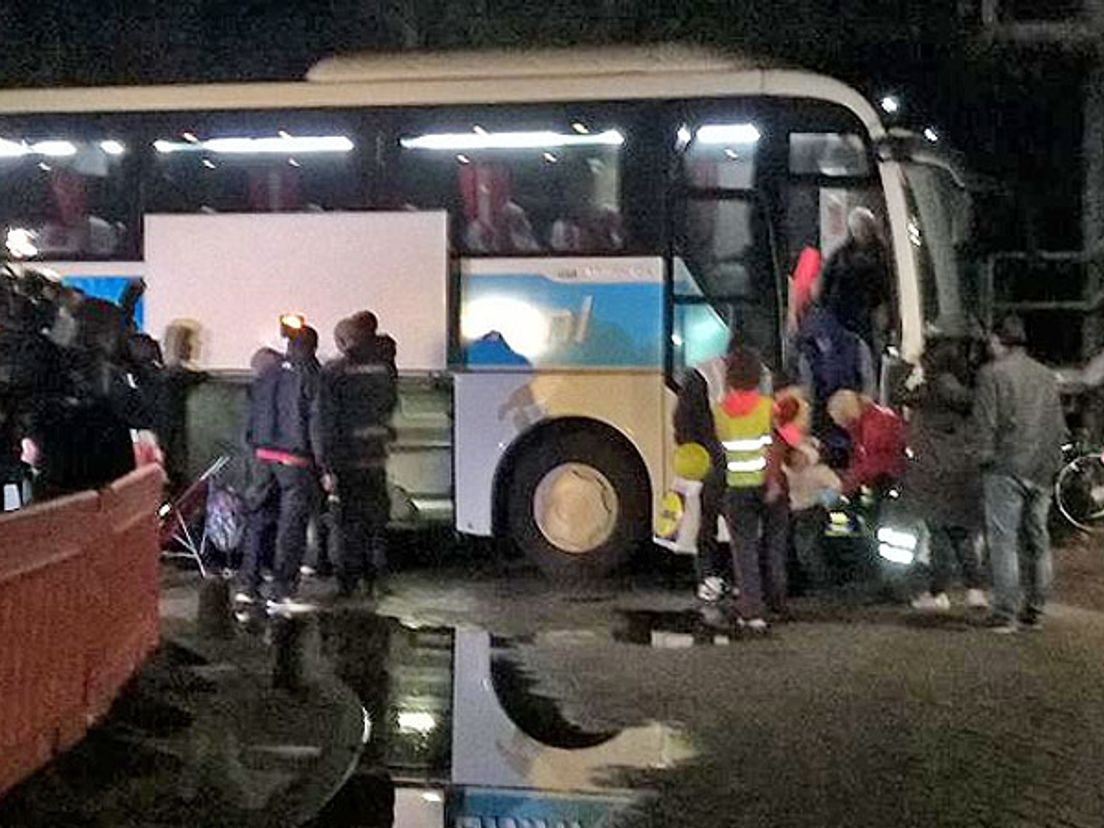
{"x": 620, "y": 466}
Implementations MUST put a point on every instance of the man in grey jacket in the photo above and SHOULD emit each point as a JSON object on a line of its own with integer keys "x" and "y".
{"x": 1020, "y": 429}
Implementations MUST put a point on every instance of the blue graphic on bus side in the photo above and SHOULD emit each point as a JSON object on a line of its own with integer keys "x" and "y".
{"x": 110, "y": 288}
{"x": 555, "y": 324}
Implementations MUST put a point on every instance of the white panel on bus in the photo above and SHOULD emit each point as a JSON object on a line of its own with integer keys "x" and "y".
{"x": 235, "y": 274}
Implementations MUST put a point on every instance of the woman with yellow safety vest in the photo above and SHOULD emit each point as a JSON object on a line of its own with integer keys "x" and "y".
{"x": 756, "y": 508}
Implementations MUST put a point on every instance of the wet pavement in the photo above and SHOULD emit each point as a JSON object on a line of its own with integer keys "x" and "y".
{"x": 496, "y": 698}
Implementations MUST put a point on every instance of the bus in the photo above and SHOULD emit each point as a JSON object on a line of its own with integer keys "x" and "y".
{"x": 612, "y": 215}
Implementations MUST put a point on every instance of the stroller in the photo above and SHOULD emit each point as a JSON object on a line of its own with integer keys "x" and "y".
{"x": 207, "y": 515}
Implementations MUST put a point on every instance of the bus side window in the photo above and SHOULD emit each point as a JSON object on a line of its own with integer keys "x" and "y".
{"x": 237, "y": 166}
{"x": 67, "y": 197}
{"x": 538, "y": 185}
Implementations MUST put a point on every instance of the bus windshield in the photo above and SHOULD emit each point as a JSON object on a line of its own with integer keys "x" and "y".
{"x": 939, "y": 228}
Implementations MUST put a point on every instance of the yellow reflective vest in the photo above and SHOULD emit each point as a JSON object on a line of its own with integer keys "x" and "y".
{"x": 746, "y": 439}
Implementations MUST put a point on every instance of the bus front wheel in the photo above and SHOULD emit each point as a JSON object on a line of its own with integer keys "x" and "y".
{"x": 578, "y": 504}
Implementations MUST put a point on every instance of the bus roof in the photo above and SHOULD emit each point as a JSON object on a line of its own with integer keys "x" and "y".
{"x": 443, "y": 78}
{"x": 588, "y": 62}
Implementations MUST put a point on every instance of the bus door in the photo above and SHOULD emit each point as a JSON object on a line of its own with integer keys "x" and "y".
{"x": 724, "y": 274}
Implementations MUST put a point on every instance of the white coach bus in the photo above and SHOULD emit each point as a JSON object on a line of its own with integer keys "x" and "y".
{"x": 610, "y": 216}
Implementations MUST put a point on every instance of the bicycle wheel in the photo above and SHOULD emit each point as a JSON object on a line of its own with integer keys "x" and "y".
{"x": 1079, "y": 492}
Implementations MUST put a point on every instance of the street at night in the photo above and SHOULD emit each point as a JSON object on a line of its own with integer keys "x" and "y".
{"x": 597, "y": 413}
{"x": 855, "y": 712}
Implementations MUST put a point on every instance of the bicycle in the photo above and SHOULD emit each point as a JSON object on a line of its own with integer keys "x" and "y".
{"x": 1079, "y": 487}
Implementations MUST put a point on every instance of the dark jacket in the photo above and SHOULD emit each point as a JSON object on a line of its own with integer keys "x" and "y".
{"x": 854, "y": 282}
{"x": 1018, "y": 419}
{"x": 831, "y": 358}
{"x": 942, "y": 482}
{"x": 357, "y": 396}
{"x": 281, "y": 408}
{"x": 700, "y": 389}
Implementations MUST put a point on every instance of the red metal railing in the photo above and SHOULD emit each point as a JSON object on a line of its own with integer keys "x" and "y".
{"x": 78, "y": 614}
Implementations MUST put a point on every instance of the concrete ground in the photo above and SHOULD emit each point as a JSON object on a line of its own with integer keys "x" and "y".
{"x": 854, "y": 713}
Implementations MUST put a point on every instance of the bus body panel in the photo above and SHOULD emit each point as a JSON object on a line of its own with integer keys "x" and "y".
{"x": 553, "y": 338}
{"x": 495, "y": 410}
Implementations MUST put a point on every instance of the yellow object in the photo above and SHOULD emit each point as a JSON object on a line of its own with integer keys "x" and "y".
{"x": 670, "y": 514}
{"x": 746, "y": 439}
{"x": 691, "y": 461}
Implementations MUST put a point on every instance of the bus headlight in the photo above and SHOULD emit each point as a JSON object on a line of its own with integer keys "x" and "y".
{"x": 897, "y": 545}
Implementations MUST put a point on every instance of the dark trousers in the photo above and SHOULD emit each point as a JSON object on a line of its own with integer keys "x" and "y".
{"x": 290, "y": 495}
{"x": 760, "y": 537}
{"x": 951, "y": 545}
{"x": 363, "y": 510}
{"x": 713, "y": 559}
{"x": 808, "y": 527}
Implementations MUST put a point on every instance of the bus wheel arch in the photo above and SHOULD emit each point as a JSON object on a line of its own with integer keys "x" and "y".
{"x": 574, "y": 495}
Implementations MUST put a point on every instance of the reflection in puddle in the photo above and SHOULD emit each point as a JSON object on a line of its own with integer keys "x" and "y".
{"x": 343, "y": 718}
{"x": 465, "y": 737}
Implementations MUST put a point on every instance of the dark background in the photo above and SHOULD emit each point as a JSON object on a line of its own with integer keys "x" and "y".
{"x": 1015, "y": 112}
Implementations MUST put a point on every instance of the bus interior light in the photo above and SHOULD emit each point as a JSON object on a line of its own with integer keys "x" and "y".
{"x": 728, "y": 134}
{"x": 580, "y": 128}
{"x": 284, "y": 145}
{"x": 891, "y": 104}
{"x": 931, "y": 134}
{"x": 540, "y": 139}
{"x": 113, "y": 147}
{"x": 54, "y": 149}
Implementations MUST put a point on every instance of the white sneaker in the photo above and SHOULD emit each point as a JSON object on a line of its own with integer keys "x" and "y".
{"x": 289, "y": 606}
{"x": 931, "y": 603}
{"x": 711, "y": 589}
{"x": 977, "y": 599}
{"x": 755, "y": 625}
{"x": 244, "y": 598}
{"x": 306, "y": 571}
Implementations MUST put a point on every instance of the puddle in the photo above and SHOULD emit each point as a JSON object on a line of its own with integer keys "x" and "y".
{"x": 359, "y": 720}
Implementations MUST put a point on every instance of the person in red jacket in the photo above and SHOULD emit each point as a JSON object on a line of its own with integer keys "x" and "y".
{"x": 877, "y": 440}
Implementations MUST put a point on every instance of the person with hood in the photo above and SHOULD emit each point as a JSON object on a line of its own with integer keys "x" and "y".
{"x": 755, "y": 503}
{"x": 701, "y": 389}
{"x": 279, "y": 435}
{"x": 1019, "y": 428}
{"x": 357, "y": 397}
{"x": 942, "y": 482}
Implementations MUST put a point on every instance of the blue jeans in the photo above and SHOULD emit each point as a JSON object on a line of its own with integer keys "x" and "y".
{"x": 1019, "y": 546}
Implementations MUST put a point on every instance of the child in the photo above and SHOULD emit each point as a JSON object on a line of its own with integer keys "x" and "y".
{"x": 813, "y": 487}
{"x": 755, "y": 507}
{"x": 877, "y": 441}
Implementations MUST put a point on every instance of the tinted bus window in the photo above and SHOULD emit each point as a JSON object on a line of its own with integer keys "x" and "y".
{"x": 521, "y": 184}
{"x": 245, "y": 164}
{"x": 63, "y": 197}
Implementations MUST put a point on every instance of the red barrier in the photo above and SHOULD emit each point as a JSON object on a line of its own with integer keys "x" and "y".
{"x": 79, "y": 582}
